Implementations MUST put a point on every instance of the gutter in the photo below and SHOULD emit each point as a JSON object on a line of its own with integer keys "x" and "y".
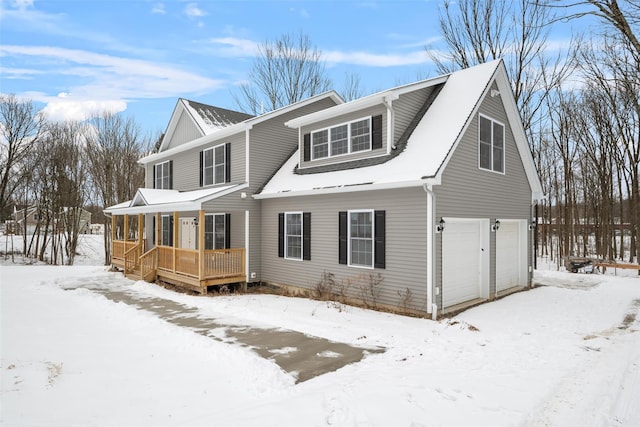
{"x": 432, "y": 307}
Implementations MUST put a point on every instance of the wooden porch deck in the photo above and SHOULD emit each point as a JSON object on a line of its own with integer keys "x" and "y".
{"x": 187, "y": 268}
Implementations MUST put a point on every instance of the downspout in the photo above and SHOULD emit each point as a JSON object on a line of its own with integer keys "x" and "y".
{"x": 391, "y": 143}
{"x": 432, "y": 308}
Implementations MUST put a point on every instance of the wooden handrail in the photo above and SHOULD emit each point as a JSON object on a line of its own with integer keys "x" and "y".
{"x": 149, "y": 264}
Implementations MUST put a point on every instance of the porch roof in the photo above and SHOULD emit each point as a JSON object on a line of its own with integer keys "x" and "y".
{"x": 150, "y": 200}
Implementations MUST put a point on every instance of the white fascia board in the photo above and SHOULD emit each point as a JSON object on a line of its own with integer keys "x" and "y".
{"x": 166, "y": 207}
{"x": 341, "y": 189}
{"x": 362, "y": 103}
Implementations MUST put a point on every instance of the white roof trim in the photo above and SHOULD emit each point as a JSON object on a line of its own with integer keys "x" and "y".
{"x": 236, "y": 128}
{"x": 343, "y": 189}
{"x": 362, "y": 103}
{"x": 181, "y": 200}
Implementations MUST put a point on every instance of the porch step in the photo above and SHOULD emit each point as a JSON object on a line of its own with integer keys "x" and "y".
{"x": 134, "y": 275}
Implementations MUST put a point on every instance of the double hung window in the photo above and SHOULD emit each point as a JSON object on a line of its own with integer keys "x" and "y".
{"x": 491, "y": 145}
{"x": 361, "y": 238}
{"x": 342, "y": 139}
{"x": 162, "y": 178}
{"x": 293, "y": 235}
{"x": 214, "y": 165}
{"x": 167, "y": 230}
{"x": 215, "y": 231}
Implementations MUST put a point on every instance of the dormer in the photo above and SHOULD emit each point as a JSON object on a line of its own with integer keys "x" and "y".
{"x": 364, "y": 132}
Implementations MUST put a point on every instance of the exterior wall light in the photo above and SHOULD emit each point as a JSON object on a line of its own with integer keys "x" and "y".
{"x": 440, "y": 226}
{"x": 496, "y": 225}
{"x": 533, "y": 224}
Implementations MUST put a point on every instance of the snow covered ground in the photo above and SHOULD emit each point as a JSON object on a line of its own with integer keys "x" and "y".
{"x": 565, "y": 353}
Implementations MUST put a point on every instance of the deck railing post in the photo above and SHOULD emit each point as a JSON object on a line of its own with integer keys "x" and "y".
{"x": 175, "y": 238}
{"x": 201, "y": 248}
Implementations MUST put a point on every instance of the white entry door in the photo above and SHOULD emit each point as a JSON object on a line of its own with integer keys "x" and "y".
{"x": 188, "y": 233}
{"x": 462, "y": 256}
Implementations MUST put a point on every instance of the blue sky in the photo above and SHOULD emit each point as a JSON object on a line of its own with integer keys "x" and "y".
{"x": 76, "y": 56}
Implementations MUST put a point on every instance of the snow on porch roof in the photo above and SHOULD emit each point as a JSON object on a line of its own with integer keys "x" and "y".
{"x": 150, "y": 200}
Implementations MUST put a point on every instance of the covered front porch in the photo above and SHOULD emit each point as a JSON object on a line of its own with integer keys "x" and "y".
{"x": 185, "y": 247}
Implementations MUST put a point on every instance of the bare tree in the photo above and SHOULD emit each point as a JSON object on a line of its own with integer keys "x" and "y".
{"x": 113, "y": 148}
{"x": 20, "y": 127}
{"x": 477, "y": 31}
{"x": 352, "y": 89}
{"x": 285, "y": 71}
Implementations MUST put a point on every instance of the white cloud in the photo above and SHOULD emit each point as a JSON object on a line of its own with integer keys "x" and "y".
{"x": 234, "y": 47}
{"x": 19, "y": 73}
{"x": 106, "y": 82}
{"x": 193, "y": 11}
{"x": 158, "y": 8}
{"x": 22, "y": 4}
{"x": 376, "y": 60}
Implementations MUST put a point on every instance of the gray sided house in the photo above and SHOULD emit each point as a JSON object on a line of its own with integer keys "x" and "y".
{"x": 196, "y": 223}
{"x": 418, "y": 197}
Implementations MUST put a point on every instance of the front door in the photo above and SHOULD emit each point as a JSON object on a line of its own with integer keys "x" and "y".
{"x": 188, "y": 233}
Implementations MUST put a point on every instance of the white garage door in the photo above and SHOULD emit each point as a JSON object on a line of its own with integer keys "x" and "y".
{"x": 509, "y": 256}
{"x": 461, "y": 262}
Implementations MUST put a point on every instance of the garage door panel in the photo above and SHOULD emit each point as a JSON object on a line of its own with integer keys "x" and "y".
{"x": 509, "y": 256}
{"x": 461, "y": 267}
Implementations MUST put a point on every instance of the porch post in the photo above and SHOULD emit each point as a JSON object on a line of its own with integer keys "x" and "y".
{"x": 175, "y": 238}
{"x": 140, "y": 232}
{"x": 126, "y": 230}
{"x": 158, "y": 241}
{"x": 201, "y": 244}
{"x": 113, "y": 231}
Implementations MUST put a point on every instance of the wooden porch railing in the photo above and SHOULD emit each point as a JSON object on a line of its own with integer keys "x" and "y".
{"x": 149, "y": 264}
{"x": 218, "y": 263}
{"x": 120, "y": 247}
{"x": 132, "y": 257}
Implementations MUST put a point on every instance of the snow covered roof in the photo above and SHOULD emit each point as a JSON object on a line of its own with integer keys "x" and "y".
{"x": 210, "y": 118}
{"x": 236, "y": 128}
{"x": 428, "y": 148}
{"x": 151, "y": 200}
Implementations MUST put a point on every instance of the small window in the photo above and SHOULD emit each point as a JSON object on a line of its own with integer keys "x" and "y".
{"x": 293, "y": 235}
{"x": 215, "y": 231}
{"x": 163, "y": 175}
{"x": 491, "y": 145}
{"x": 214, "y": 165}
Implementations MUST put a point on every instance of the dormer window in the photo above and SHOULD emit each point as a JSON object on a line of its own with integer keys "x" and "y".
{"x": 344, "y": 138}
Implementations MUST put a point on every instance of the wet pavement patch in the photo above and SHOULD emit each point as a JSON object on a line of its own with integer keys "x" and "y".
{"x": 300, "y": 355}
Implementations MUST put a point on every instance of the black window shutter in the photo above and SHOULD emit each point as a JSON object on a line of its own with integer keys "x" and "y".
{"x": 170, "y": 174}
{"x": 201, "y": 168}
{"x": 306, "y": 236}
{"x": 171, "y": 230}
{"x": 307, "y": 147}
{"x": 376, "y": 132}
{"x": 227, "y": 231}
{"x": 342, "y": 237}
{"x": 153, "y": 233}
{"x": 154, "y": 176}
{"x": 380, "y": 226}
{"x": 281, "y": 235}
{"x": 227, "y": 162}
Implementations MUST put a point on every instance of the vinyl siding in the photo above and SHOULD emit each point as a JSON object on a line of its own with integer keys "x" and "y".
{"x": 405, "y": 242}
{"x": 272, "y": 143}
{"x": 470, "y": 192}
{"x": 369, "y": 112}
{"x": 186, "y": 130}
{"x": 405, "y": 109}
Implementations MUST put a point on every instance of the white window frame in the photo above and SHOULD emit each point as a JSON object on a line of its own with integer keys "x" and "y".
{"x": 214, "y": 216}
{"x": 504, "y": 144}
{"x": 214, "y": 165}
{"x": 162, "y": 170}
{"x": 349, "y": 139}
{"x": 372, "y": 238}
{"x": 286, "y": 236}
